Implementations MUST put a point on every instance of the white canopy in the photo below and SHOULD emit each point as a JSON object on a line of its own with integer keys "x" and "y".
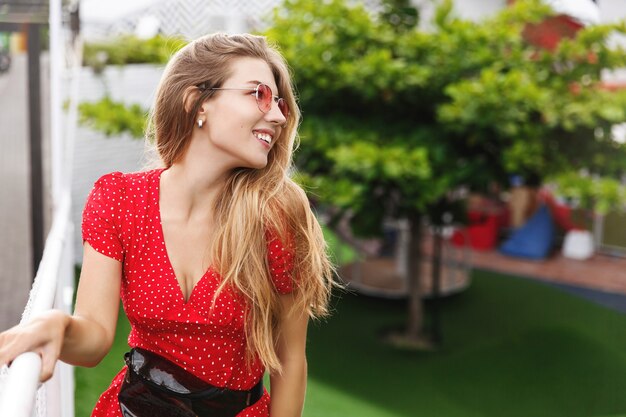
{"x": 585, "y": 11}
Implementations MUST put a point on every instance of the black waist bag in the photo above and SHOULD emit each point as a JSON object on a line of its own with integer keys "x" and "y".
{"x": 156, "y": 387}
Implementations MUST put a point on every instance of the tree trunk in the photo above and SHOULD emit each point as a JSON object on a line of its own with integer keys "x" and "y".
{"x": 415, "y": 319}
{"x": 413, "y": 336}
{"x": 436, "y": 288}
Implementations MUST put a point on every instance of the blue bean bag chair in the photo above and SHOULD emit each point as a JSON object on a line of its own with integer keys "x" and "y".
{"x": 534, "y": 239}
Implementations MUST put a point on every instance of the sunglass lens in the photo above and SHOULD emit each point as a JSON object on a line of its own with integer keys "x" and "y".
{"x": 283, "y": 107}
{"x": 264, "y": 97}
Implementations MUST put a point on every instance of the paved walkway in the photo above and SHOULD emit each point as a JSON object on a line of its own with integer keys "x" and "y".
{"x": 602, "y": 272}
{"x": 16, "y": 272}
{"x": 15, "y": 248}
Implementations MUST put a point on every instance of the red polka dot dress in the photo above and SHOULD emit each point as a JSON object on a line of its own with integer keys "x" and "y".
{"x": 122, "y": 220}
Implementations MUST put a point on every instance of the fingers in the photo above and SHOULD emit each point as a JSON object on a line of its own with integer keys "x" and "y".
{"x": 39, "y": 336}
{"x": 47, "y": 368}
{"x": 49, "y": 356}
{"x": 9, "y": 347}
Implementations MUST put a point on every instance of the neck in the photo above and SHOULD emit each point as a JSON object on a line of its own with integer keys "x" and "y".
{"x": 189, "y": 188}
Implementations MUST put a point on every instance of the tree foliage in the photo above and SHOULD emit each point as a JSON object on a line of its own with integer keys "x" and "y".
{"x": 465, "y": 103}
{"x": 599, "y": 194}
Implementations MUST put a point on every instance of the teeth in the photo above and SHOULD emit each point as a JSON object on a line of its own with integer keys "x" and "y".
{"x": 264, "y": 137}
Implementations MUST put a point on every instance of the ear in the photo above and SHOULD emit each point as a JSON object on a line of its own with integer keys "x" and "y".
{"x": 190, "y": 98}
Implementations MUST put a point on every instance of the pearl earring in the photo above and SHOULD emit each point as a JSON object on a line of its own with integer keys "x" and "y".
{"x": 200, "y": 122}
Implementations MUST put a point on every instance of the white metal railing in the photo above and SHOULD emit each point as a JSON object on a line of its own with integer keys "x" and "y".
{"x": 21, "y": 394}
{"x": 53, "y": 288}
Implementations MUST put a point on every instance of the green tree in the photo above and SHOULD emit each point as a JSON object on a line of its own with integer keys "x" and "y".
{"x": 396, "y": 119}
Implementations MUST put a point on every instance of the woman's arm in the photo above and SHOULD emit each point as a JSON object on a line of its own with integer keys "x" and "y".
{"x": 91, "y": 329}
{"x": 288, "y": 389}
{"x": 81, "y": 339}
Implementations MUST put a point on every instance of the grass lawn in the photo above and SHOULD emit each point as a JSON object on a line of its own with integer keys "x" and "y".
{"x": 512, "y": 347}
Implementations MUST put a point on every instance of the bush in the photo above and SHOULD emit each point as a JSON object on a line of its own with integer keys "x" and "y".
{"x": 131, "y": 50}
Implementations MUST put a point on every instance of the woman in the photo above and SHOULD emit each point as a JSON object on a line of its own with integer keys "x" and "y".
{"x": 217, "y": 256}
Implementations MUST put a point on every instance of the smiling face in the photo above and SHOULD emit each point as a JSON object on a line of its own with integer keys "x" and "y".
{"x": 235, "y": 127}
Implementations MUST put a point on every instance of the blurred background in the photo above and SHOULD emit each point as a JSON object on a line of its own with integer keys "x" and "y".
{"x": 466, "y": 160}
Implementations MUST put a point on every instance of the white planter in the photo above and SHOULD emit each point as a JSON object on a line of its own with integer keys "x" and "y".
{"x": 578, "y": 244}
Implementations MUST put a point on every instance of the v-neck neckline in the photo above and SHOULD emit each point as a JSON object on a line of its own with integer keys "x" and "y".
{"x": 181, "y": 294}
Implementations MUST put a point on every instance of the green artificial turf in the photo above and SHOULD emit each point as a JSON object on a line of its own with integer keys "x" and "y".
{"x": 511, "y": 347}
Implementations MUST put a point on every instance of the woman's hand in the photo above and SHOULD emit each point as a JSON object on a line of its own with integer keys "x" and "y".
{"x": 43, "y": 335}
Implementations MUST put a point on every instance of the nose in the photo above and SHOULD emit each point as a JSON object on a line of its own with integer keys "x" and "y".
{"x": 275, "y": 115}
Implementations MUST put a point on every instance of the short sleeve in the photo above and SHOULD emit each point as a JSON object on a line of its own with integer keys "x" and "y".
{"x": 101, "y": 224}
{"x": 280, "y": 259}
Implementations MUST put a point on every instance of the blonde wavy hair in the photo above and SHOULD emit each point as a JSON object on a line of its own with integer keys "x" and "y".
{"x": 254, "y": 202}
